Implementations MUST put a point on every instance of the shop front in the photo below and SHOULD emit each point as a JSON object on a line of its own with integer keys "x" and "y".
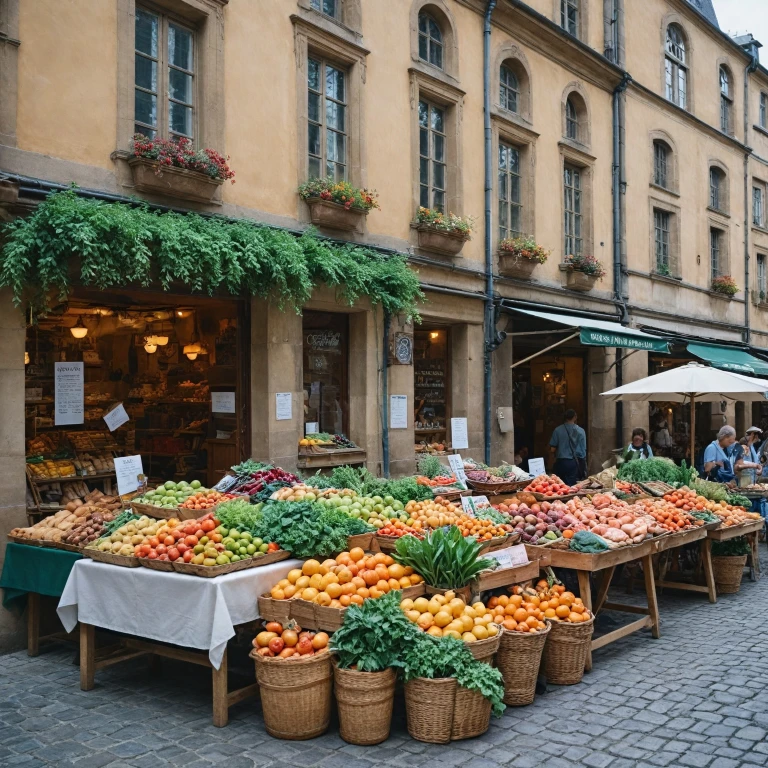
{"x": 432, "y": 385}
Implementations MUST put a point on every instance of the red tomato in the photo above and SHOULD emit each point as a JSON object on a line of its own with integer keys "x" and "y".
{"x": 188, "y": 555}
{"x": 207, "y": 525}
{"x": 152, "y": 555}
{"x": 145, "y": 549}
{"x": 164, "y": 558}
{"x": 153, "y": 541}
{"x": 182, "y": 547}
{"x": 173, "y": 554}
{"x": 169, "y": 541}
{"x": 161, "y": 549}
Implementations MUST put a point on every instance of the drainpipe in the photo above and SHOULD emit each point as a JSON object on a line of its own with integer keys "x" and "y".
{"x": 489, "y": 311}
{"x": 385, "y": 400}
{"x": 749, "y": 69}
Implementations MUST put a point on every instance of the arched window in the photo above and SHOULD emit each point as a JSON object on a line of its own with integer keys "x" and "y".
{"x": 509, "y": 96}
{"x": 571, "y": 120}
{"x": 726, "y": 100}
{"x": 330, "y": 8}
{"x": 676, "y": 67}
{"x": 430, "y": 41}
{"x": 569, "y": 16}
{"x": 661, "y": 165}
{"x": 717, "y": 189}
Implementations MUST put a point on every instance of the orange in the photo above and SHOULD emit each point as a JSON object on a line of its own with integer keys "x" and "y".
{"x": 503, "y": 600}
{"x": 371, "y": 577}
{"x": 345, "y": 600}
{"x": 550, "y": 613}
{"x": 516, "y": 600}
{"x": 396, "y": 571}
{"x": 574, "y": 617}
{"x": 358, "y": 581}
{"x": 509, "y": 624}
{"x": 375, "y": 592}
{"x": 562, "y": 611}
{"x": 334, "y": 590}
{"x": 567, "y": 598}
{"x": 382, "y": 572}
{"x": 405, "y": 582}
{"x": 363, "y": 592}
{"x": 356, "y": 599}
{"x": 379, "y": 557}
{"x": 310, "y": 568}
{"x": 575, "y": 608}
{"x": 520, "y": 615}
{"x": 393, "y": 583}
{"x": 382, "y": 586}
{"x": 356, "y": 554}
{"x": 532, "y": 622}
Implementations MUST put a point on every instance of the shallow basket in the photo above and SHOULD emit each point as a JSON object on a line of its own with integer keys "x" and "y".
{"x": 566, "y": 650}
{"x": 364, "y": 701}
{"x": 496, "y": 488}
{"x": 518, "y": 659}
{"x": 296, "y": 695}
{"x": 107, "y": 557}
{"x": 728, "y": 571}
{"x": 156, "y": 565}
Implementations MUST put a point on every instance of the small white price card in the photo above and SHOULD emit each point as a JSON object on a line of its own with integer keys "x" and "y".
{"x": 116, "y": 417}
{"x": 398, "y": 411}
{"x": 457, "y": 466}
{"x": 474, "y": 504}
{"x": 459, "y": 438}
{"x": 223, "y": 402}
{"x": 510, "y": 557}
{"x": 283, "y": 406}
{"x": 128, "y": 469}
{"x": 311, "y": 428}
{"x": 536, "y": 467}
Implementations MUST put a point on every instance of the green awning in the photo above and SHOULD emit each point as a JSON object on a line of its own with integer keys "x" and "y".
{"x": 729, "y": 359}
{"x": 602, "y": 333}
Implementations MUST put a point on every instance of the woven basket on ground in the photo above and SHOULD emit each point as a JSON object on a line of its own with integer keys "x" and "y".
{"x": 471, "y": 714}
{"x": 429, "y": 706}
{"x": 365, "y": 702}
{"x": 519, "y": 659}
{"x": 728, "y": 571}
{"x": 296, "y": 695}
{"x": 565, "y": 651}
{"x": 485, "y": 650}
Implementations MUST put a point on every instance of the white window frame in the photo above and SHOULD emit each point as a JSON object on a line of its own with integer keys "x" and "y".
{"x": 322, "y": 121}
{"x": 762, "y": 277}
{"x": 573, "y": 219}
{"x": 508, "y": 178}
{"x": 430, "y": 160}
{"x": 676, "y": 67}
{"x": 726, "y": 100}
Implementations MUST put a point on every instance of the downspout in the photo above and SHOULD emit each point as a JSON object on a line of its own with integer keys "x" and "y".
{"x": 751, "y": 67}
{"x": 489, "y": 310}
{"x": 385, "y": 400}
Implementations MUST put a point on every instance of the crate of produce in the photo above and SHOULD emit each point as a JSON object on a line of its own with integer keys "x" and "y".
{"x": 107, "y": 557}
{"x": 210, "y": 571}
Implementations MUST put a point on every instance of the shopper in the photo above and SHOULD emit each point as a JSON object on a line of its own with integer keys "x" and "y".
{"x": 569, "y": 446}
{"x": 749, "y": 464}
{"x": 720, "y": 456}
{"x": 638, "y": 447}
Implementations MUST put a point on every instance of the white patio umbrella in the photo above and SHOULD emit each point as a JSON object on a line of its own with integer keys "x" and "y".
{"x": 694, "y": 382}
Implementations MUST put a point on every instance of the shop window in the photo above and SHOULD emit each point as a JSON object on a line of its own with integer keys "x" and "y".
{"x": 432, "y": 388}
{"x": 572, "y": 206}
{"x": 326, "y": 371}
{"x": 164, "y": 77}
{"x": 676, "y": 67}
{"x": 327, "y": 123}
{"x": 726, "y": 101}
{"x": 510, "y": 194}
{"x": 432, "y": 156}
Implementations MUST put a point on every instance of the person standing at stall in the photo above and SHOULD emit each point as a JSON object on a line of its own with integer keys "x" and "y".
{"x": 749, "y": 465}
{"x": 569, "y": 446}
{"x": 720, "y": 456}
{"x": 638, "y": 447}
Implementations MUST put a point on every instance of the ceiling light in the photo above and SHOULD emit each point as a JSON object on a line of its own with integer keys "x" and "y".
{"x": 150, "y": 348}
{"x": 434, "y": 334}
{"x": 158, "y": 341}
{"x": 192, "y": 355}
{"x": 79, "y": 331}
{"x": 26, "y": 358}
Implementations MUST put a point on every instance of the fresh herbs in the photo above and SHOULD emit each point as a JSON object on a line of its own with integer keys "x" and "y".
{"x": 431, "y": 467}
{"x": 362, "y": 482}
{"x": 731, "y": 548}
{"x": 654, "y": 469}
{"x": 710, "y": 490}
{"x": 239, "y": 514}
{"x": 125, "y": 517}
{"x": 489, "y": 513}
{"x": 445, "y": 558}
{"x": 248, "y": 467}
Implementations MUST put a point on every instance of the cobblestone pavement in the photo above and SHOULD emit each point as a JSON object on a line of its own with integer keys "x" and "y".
{"x": 698, "y": 696}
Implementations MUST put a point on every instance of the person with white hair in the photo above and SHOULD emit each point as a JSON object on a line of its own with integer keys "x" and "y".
{"x": 720, "y": 456}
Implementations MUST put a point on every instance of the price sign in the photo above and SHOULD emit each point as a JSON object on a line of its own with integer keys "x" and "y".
{"x": 536, "y": 467}
{"x": 116, "y": 417}
{"x": 510, "y": 557}
{"x": 474, "y": 504}
{"x": 69, "y": 394}
{"x": 457, "y": 466}
{"x": 128, "y": 469}
{"x": 398, "y": 411}
{"x": 459, "y": 438}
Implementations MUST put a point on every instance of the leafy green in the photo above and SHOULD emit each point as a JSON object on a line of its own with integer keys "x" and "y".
{"x": 444, "y": 557}
{"x": 710, "y": 490}
{"x": 239, "y": 514}
{"x": 737, "y": 500}
{"x": 654, "y": 469}
{"x": 493, "y": 515}
{"x": 249, "y": 466}
{"x": 731, "y": 548}
{"x": 431, "y": 466}
{"x": 125, "y": 517}
{"x": 366, "y": 484}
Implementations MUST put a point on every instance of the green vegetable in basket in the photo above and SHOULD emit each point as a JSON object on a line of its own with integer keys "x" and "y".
{"x": 239, "y": 514}
{"x": 737, "y": 500}
{"x": 588, "y": 542}
{"x": 731, "y": 548}
{"x": 655, "y": 469}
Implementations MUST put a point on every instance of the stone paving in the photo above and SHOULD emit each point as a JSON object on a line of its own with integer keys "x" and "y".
{"x": 698, "y": 696}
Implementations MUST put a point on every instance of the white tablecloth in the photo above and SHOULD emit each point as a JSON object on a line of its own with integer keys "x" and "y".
{"x": 189, "y": 611}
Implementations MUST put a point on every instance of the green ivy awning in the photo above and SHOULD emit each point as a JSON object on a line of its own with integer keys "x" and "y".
{"x": 729, "y": 359}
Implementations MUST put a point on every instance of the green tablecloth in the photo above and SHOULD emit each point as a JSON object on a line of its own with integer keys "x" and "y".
{"x": 34, "y": 569}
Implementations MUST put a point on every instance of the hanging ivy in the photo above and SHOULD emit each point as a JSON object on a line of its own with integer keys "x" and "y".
{"x": 118, "y": 245}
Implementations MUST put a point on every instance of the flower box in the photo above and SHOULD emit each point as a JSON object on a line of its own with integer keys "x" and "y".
{"x": 575, "y": 280}
{"x": 148, "y": 176}
{"x": 439, "y": 241}
{"x": 325, "y": 213}
{"x": 720, "y": 295}
{"x": 513, "y": 265}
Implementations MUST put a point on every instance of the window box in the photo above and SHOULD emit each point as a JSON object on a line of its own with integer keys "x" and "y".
{"x": 718, "y": 295}
{"x": 514, "y": 265}
{"x": 325, "y": 213}
{"x": 173, "y": 182}
{"x": 439, "y": 241}
{"x": 575, "y": 280}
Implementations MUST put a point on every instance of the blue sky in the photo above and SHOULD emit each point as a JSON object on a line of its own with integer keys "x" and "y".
{"x": 740, "y": 16}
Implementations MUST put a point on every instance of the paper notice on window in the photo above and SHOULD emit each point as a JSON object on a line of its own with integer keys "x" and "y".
{"x": 457, "y": 465}
{"x": 116, "y": 417}
{"x": 311, "y": 428}
{"x": 129, "y": 473}
{"x": 510, "y": 557}
{"x": 459, "y": 437}
{"x": 283, "y": 406}
{"x": 69, "y": 393}
{"x": 536, "y": 467}
{"x": 223, "y": 402}
{"x": 474, "y": 505}
{"x": 398, "y": 411}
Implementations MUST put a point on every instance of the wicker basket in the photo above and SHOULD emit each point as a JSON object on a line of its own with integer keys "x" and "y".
{"x": 296, "y": 695}
{"x": 566, "y": 650}
{"x": 365, "y": 702}
{"x": 156, "y": 565}
{"x": 274, "y": 610}
{"x": 471, "y": 714}
{"x": 497, "y": 488}
{"x": 362, "y": 540}
{"x": 728, "y": 571}
{"x": 519, "y": 659}
{"x": 108, "y": 557}
{"x": 485, "y": 650}
{"x": 429, "y": 706}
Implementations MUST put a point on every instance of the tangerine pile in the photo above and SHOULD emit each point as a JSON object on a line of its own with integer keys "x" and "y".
{"x": 348, "y": 579}
{"x": 482, "y": 530}
{"x": 433, "y": 513}
{"x": 449, "y": 616}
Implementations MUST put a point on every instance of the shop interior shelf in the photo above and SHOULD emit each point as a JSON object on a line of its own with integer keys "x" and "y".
{"x": 71, "y": 478}
{"x": 429, "y": 431}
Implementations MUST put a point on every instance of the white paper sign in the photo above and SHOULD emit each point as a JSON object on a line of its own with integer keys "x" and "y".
{"x": 536, "y": 467}
{"x": 116, "y": 417}
{"x": 459, "y": 437}
{"x": 69, "y": 393}
{"x": 32, "y": 394}
{"x": 128, "y": 469}
{"x": 474, "y": 504}
{"x": 283, "y": 406}
{"x": 510, "y": 557}
{"x": 398, "y": 411}
{"x": 457, "y": 465}
{"x": 223, "y": 402}
{"x": 311, "y": 427}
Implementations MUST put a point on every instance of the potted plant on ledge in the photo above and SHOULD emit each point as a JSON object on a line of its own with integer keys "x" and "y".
{"x": 337, "y": 205}
{"x": 724, "y": 286}
{"x": 177, "y": 169}
{"x": 440, "y": 232}
{"x": 581, "y": 272}
{"x": 519, "y": 256}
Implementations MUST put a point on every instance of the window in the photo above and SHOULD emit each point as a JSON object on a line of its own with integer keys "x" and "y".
{"x": 716, "y": 252}
{"x": 430, "y": 41}
{"x": 510, "y": 195}
{"x": 569, "y": 16}
{"x": 758, "y": 208}
{"x": 660, "y": 156}
{"x": 716, "y": 196}
{"x": 764, "y": 110}
{"x": 164, "y": 77}
{"x": 661, "y": 229}
{"x": 432, "y": 161}
{"x": 510, "y": 89}
{"x": 326, "y": 112}
{"x": 726, "y": 100}
{"x": 574, "y": 239}
{"x": 328, "y": 7}
{"x": 571, "y": 120}
{"x": 762, "y": 282}
{"x": 675, "y": 67}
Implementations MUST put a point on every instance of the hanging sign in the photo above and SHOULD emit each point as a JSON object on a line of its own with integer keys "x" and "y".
{"x": 398, "y": 411}
{"x": 283, "y": 406}
{"x": 128, "y": 470}
{"x": 457, "y": 465}
{"x": 311, "y": 427}
{"x": 459, "y": 437}
{"x": 536, "y": 467}
{"x": 69, "y": 394}
{"x": 116, "y": 417}
{"x": 223, "y": 402}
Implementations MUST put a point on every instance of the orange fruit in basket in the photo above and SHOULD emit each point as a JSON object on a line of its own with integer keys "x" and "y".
{"x": 574, "y": 617}
{"x": 567, "y": 598}
{"x": 356, "y": 554}
{"x": 562, "y": 611}
{"x": 578, "y": 608}
{"x": 520, "y": 614}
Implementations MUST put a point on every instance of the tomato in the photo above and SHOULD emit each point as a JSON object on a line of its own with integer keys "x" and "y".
{"x": 144, "y": 549}
{"x": 152, "y": 555}
{"x": 161, "y": 549}
{"x": 153, "y": 541}
{"x": 207, "y": 525}
{"x": 169, "y": 541}
{"x": 191, "y": 541}
{"x": 173, "y": 554}
{"x": 276, "y": 644}
{"x": 188, "y": 555}
{"x": 164, "y": 558}
{"x": 199, "y": 533}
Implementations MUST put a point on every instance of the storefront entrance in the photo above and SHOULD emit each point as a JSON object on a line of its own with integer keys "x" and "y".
{"x": 432, "y": 385}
